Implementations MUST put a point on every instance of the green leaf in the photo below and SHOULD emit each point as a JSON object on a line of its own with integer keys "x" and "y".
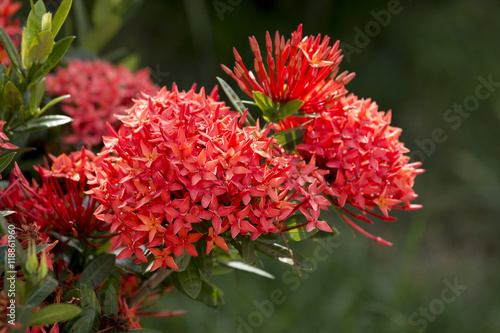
{"x": 247, "y": 268}
{"x": 233, "y": 97}
{"x": 11, "y": 49}
{"x": 280, "y": 253}
{"x": 110, "y": 301}
{"x": 248, "y": 250}
{"x": 54, "y": 313}
{"x": 39, "y": 10}
{"x": 4, "y": 162}
{"x": 97, "y": 271}
{"x": 89, "y": 297}
{"x": 6, "y": 212}
{"x": 54, "y": 102}
{"x": 204, "y": 261}
{"x": 37, "y": 93}
{"x": 12, "y": 96}
{"x": 210, "y": 295}
{"x": 266, "y": 105}
{"x": 40, "y": 48}
{"x": 58, "y": 52}
{"x": 190, "y": 280}
{"x": 289, "y": 108}
{"x": 60, "y": 17}
{"x": 182, "y": 261}
{"x": 82, "y": 323}
{"x": 41, "y": 123}
{"x": 42, "y": 291}
{"x": 69, "y": 295}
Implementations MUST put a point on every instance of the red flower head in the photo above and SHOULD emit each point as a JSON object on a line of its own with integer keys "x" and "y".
{"x": 7, "y": 9}
{"x": 365, "y": 160}
{"x": 59, "y": 203}
{"x": 299, "y": 69}
{"x": 181, "y": 160}
{"x": 98, "y": 91}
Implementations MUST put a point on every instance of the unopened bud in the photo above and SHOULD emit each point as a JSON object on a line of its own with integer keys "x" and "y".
{"x": 47, "y": 22}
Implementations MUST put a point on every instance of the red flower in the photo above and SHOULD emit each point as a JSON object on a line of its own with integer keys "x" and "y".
{"x": 298, "y": 69}
{"x": 367, "y": 167}
{"x": 98, "y": 90}
{"x": 182, "y": 158}
{"x": 59, "y": 203}
{"x": 7, "y": 9}
{"x": 163, "y": 259}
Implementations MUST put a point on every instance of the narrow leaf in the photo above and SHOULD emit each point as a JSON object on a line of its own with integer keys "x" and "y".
{"x": 54, "y": 102}
{"x": 60, "y": 17}
{"x": 83, "y": 323}
{"x": 190, "y": 280}
{"x": 247, "y": 268}
{"x": 89, "y": 297}
{"x": 41, "y": 123}
{"x": 54, "y": 313}
{"x": 7, "y": 212}
{"x": 11, "y": 49}
{"x": 233, "y": 97}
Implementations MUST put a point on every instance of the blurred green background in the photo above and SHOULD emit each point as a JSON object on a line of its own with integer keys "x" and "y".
{"x": 424, "y": 60}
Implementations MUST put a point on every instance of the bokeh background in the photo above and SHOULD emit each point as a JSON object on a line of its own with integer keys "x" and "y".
{"x": 424, "y": 60}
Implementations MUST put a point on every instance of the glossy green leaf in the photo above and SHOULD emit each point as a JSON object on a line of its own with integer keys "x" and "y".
{"x": 182, "y": 261}
{"x": 280, "y": 253}
{"x": 43, "y": 122}
{"x": 42, "y": 291}
{"x": 10, "y": 48}
{"x": 12, "y": 96}
{"x": 54, "y": 313}
{"x": 97, "y": 271}
{"x": 89, "y": 297}
{"x": 40, "y": 48}
{"x": 210, "y": 295}
{"x": 235, "y": 100}
{"x": 266, "y": 105}
{"x": 5, "y": 160}
{"x": 54, "y": 102}
{"x": 204, "y": 261}
{"x": 60, "y": 17}
{"x": 248, "y": 268}
{"x": 6, "y": 212}
{"x": 289, "y": 108}
{"x": 248, "y": 250}
{"x": 297, "y": 234}
{"x": 39, "y": 10}
{"x": 37, "y": 93}
{"x": 82, "y": 323}
{"x": 190, "y": 280}
{"x": 58, "y": 52}
{"x": 111, "y": 301}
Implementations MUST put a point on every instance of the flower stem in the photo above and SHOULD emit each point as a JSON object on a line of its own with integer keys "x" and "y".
{"x": 147, "y": 288}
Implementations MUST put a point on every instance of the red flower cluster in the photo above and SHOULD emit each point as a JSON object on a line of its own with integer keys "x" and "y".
{"x": 300, "y": 69}
{"x": 182, "y": 158}
{"x": 98, "y": 90}
{"x": 351, "y": 140}
{"x": 59, "y": 203}
{"x": 11, "y": 27}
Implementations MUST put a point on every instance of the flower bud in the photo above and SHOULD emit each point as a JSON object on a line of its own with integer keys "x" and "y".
{"x": 47, "y": 22}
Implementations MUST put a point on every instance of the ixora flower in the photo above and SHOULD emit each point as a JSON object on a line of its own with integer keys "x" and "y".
{"x": 59, "y": 203}
{"x": 367, "y": 166}
{"x": 98, "y": 90}
{"x": 182, "y": 169}
{"x": 302, "y": 69}
{"x": 7, "y": 9}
